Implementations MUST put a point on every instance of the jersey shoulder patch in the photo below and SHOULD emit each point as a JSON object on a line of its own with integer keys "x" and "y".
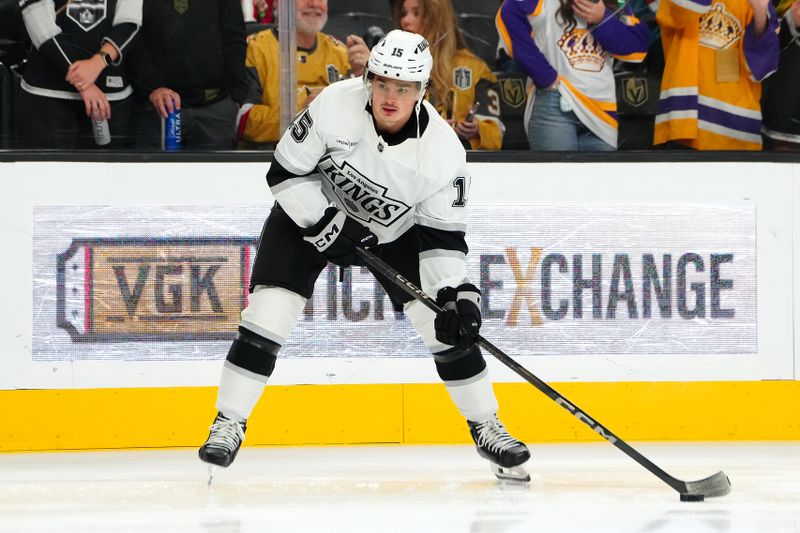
{"x": 464, "y": 58}
{"x": 262, "y": 38}
{"x": 334, "y": 41}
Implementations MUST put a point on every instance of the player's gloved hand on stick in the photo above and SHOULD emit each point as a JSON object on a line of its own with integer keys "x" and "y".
{"x": 459, "y": 323}
{"x": 336, "y": 236}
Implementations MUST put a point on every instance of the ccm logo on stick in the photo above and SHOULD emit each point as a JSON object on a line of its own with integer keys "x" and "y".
{"x": 580, "y": 415}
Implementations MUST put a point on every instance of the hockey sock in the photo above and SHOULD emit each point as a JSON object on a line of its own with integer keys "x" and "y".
{"x": 467, "y": 380}
{"x": 266, "y": 322}
{"x": 250, "y": 362}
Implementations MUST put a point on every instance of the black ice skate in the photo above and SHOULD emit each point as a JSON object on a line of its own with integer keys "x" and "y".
{"x": 223, "y": 441}
{"x": 505, "y": 453}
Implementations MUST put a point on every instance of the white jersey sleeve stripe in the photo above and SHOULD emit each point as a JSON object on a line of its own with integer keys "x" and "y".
{"x": 40, "y": 21}
{"x": 440, "y": 224}
{"x": 304, "y": 203}
{"x": 128, "y": 11}
{"x": 285, "y": 163}
{"x": 430, "y": 254}
{"x": 293, "y": 182}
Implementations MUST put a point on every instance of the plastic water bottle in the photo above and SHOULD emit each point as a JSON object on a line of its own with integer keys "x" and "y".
{"x": 172, "y": 131}
{"x": 102, "y": 135}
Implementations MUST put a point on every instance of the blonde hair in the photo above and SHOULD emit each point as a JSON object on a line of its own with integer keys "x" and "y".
{"x": 438, "y": 24}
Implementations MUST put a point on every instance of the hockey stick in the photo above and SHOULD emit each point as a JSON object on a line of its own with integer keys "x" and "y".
{"x": 712, "y": 486}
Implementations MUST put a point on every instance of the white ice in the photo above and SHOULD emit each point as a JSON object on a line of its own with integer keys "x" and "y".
{"x": 574, "y": 487}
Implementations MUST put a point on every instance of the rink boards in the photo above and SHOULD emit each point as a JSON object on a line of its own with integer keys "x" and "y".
{"x": 660, "y": 295}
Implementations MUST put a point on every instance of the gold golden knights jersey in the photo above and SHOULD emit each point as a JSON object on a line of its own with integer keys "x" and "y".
{"x": 473, "y": 81}
{"x": 334, "y": 156}
{"x": 321, "y": 65}
{"x": 711, "y": 86}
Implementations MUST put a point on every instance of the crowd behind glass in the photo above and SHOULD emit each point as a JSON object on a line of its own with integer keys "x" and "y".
{"x": 543, "y": 75}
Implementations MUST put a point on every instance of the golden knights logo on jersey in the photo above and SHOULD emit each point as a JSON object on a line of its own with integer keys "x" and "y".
{"x": 181, "y": 6}
{"x": 634, "y": 90}
{"x": 333, "y": 74}
{"x": 513, "y": 91}
{"x": 462, "y": 78}
{"x": 87, "y": 13}
{"x": 362, "y": 198}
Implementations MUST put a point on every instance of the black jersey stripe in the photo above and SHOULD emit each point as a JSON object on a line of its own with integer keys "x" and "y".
{"x": 438, "y": 239}
{"x": 277, "y": 174}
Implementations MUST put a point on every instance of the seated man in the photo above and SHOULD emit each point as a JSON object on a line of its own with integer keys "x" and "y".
{"x": 321, "y": 60}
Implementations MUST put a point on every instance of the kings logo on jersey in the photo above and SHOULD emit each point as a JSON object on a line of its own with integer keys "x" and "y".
{"x": 87, "y": 13}
{"x": 364, "y": 199}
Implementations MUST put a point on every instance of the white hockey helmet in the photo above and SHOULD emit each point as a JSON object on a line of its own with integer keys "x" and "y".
{"x": 400, "y": 55}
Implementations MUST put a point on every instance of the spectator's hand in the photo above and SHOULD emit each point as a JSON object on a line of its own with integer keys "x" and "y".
{"x": 467, "y": 130}
{"x": 593, "y": 12}
{"x": 795, "y": 13}
{"x": 759, "y": 5}
{"x": 760, "y": 14}
{"x": 165, "y": 101}
{"x": 84, "y": 73}
{"x": 357, "y": 54}
{"x": 554, "y": 86}
{"x": 261, "y": 8}
{"x": 312, "y": 93}
{"x": 96, "y": 102}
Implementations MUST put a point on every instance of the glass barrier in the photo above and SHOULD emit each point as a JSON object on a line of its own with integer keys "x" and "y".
{"x": 170, "y": 79}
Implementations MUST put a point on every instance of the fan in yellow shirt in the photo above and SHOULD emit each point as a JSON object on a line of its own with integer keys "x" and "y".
{"x": 321, "y": 60}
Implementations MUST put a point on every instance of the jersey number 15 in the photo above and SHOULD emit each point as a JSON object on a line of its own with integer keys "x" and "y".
{"x": 461, "y": 192}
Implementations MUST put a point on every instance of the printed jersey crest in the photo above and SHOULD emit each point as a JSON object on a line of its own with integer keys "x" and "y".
{"x": 361, "y": 197}
{"x": 87, "y": 13}
{"x": 462, "y": 78}
{"x": 582, "y": 50}
{"x": 718, "y": 28}
{"x": 333, "y": 74}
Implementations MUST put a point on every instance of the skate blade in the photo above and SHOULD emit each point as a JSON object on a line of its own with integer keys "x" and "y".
{"x": 516, "y": 474}
{"x": 212, "y": 469}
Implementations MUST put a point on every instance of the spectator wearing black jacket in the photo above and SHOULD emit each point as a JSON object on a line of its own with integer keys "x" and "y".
{"x": 74, "y": 71}
{"x": 780, "y": 102}
{"x": 190, "y": 55}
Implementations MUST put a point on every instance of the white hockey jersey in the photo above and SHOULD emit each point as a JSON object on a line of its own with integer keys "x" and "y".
{"x": 337, "y": 158}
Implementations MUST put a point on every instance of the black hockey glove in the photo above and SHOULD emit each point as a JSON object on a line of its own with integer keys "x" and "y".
{"x": 459, "y": 323}
{"x": 336, "y": 236}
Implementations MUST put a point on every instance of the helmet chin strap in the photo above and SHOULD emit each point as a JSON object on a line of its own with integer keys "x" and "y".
{"x": 417, "y": 107}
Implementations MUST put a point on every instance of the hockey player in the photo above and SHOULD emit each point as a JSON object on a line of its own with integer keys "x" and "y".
{"x": 370, "y": 164}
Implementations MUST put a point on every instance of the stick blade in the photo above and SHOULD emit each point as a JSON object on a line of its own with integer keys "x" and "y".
{"x": 710, "y": 487}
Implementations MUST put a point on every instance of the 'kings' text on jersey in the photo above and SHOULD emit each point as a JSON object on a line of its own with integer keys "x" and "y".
{"x": 362, "y": 198}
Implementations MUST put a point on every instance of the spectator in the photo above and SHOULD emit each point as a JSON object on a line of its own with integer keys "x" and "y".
{"x": 14, "y": 41}
{"x": 258, "y": 11}
{"x": 716, "y": 57}
{"x": 321, "y": 60}
{"x": 74, "y": 72}
{"x": 459, "y": 79}
{"x": 568, "y": 49}
{"x": 248, "y": 11}
{"x": 189, "y": 57}
{"x": 781, "y": 101}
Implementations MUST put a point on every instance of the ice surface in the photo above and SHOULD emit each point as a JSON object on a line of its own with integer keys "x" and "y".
{"x": 574, "y": 487}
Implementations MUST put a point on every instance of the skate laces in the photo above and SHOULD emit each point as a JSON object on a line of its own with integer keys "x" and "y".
{"x": 226, "y": 434}
{"x": 493, "y": 435}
